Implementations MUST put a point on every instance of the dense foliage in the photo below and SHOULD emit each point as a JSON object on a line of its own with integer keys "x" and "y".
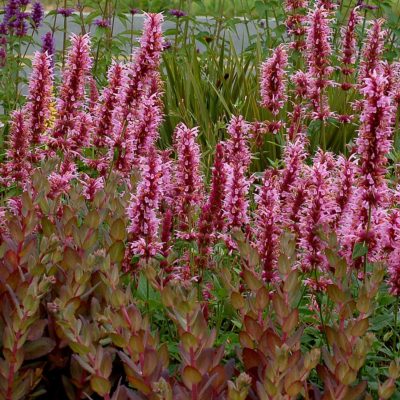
{"x": 141, "y": 265}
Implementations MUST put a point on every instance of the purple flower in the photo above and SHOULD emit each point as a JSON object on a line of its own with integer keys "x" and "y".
{"x": 11, "y": 10}
{"x": 167, "y": 45}
{"x": 48, "y": 46}
{"x": 102, "y": 23}
{"x": 66, "y": 12}
{"x": 20, "y": 24}
{"x": 37, "y": 14}
{"x": 177, "y": 13}
{"x": 134, "y": 11}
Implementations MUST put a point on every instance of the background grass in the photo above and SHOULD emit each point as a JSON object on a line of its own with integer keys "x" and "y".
{"x": 211, "y": 7}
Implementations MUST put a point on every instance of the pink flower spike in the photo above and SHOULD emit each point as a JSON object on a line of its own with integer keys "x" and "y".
{"x": 188, "y": 180}
{"x": 236, "y": 147}
{"x": 72, "y": 91}
{"x": 372, "y": 50}
{"x": 316, "y": 214}
{"x": 267, "y": 230}
{"x": 17, "y": 168}
{"x": 236, "y": 203}
{"x": 319, "y": 45}
{"x": 139, "y": 77}
{"x": 217, "y": 194}
{"x": 273, "y": 81}
{"x": 40, "y": 96}
{"x": 144, "y": 208}
{"x": 91, "y": 186}
{"x": 105, "y": 108}
{"x": 349, "y": 45}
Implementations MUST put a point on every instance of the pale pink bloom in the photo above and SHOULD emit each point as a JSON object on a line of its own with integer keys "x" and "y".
{"x": 91, "y": 186}
{"x": 60, "y": 182}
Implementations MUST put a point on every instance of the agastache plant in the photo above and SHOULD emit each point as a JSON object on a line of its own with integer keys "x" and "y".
{"x": 188, "y": 180}
{"x": 40, "y": 97}
{"x": 72, "y": 91}
{"x": 143, "y": 210}
{"x": 130, "y": 268}
{"x": 273, "y": 81}
{"x": 349, "y": 44}
{"x": 372, "y": 51}
{"x": 373, "y": 143}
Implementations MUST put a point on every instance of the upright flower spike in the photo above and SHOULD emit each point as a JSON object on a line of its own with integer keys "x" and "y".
{"x": 79, "y": 136}
{"x": 236, "y": 147}
{"x": 37, "y": 14}
{"x": 40, "y": 97}
{"x": 273, "y": 82}
{"x": 319, "y": 44}
{"x": 168, "y": 178}
{"x": 236, "y": 203}
{"x": 349, "y": 44}
{"x": 267, "y": 230}
{"x": 105, "y": 107}
{"x": 146, "y": 125}
{"x": 294, "y": 156}
{"x": 72, "y": 91}
{"x": 205, "y": 235}
{"x": 373, "y": 141}
{"x": 93, "y": 94}
{"x": 319, "y": 51}
{"x": 17, "y": 167}
{"x": 372, "y": 50}
{"x": 48, "y": 46}
{"x": 139, "y": 74}
{"x": 316, "y": 214}
{"x": 343, "y": 187}
{"x": 217, "y": 193}
{"x": 394, "y": 271}
{"x": 188, "y": 180}
{"x": 371, "y": 194}
{"x": 295, "y": 21}
{"x": 144, "y": 207}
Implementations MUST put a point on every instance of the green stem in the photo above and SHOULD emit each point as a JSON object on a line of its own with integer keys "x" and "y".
{"x": 396, "y": 311}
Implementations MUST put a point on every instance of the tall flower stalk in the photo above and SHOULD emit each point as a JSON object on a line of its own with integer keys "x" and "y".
{"x": 144, "y": 207}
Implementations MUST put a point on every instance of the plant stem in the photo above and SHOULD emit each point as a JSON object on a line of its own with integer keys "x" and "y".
{"x": 396, "y": 311}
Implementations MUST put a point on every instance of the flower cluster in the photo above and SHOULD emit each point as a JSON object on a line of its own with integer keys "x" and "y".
{"x": 273, "y": 83}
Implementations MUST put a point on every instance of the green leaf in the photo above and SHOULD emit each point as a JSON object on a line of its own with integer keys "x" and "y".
{"x": 360, "y": 249}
